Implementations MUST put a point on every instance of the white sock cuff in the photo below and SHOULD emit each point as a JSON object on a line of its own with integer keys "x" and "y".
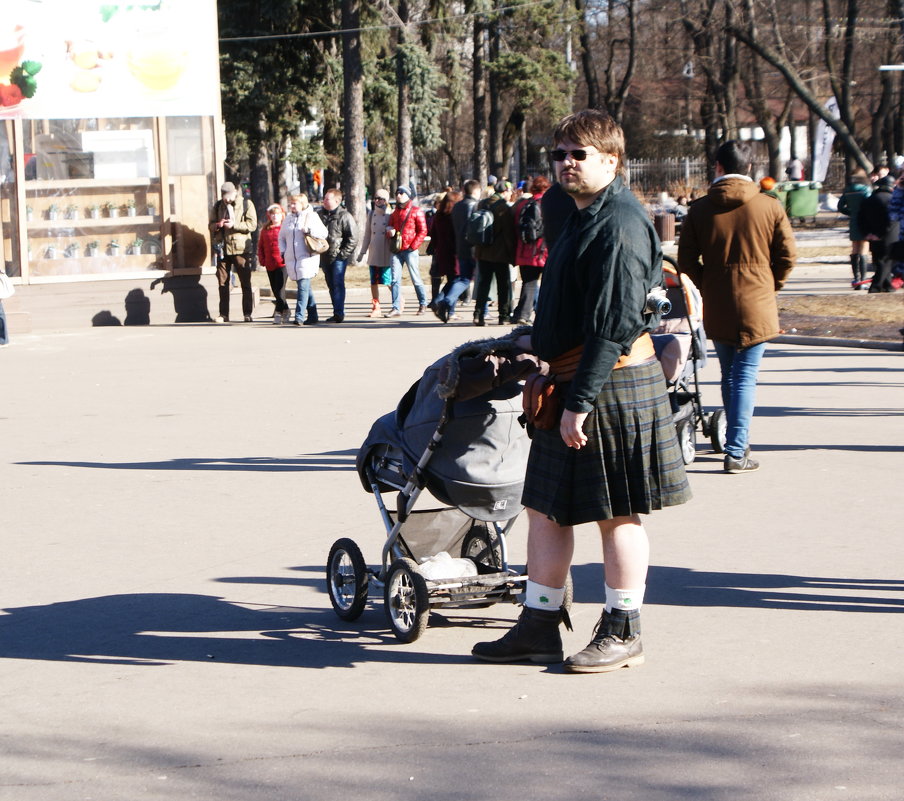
{"x": 537, "y": 596}
{"x": 624, "y": 599}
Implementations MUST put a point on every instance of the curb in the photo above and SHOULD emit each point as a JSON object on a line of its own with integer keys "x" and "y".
{"x": 872, "y": 344}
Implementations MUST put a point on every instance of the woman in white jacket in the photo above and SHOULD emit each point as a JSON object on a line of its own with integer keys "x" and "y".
{"x": 301, "y": 264}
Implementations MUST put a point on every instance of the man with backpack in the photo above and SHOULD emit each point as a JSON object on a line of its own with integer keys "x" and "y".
{"x": 493, "y": 226}
{"x": 530, "y": 248}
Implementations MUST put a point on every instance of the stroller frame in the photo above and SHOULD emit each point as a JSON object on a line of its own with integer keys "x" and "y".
{"x": 685, "y": 396}
{"x": 407, "y": 594}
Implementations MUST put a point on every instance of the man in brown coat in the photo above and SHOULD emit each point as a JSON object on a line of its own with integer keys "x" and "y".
{"x": 738, "y": 247}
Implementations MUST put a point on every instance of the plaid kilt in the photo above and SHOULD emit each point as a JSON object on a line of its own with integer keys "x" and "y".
{"x": 630, "y": 465}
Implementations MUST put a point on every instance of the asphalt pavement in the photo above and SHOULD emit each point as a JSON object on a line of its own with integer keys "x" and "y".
{"x": 171, "y": 492}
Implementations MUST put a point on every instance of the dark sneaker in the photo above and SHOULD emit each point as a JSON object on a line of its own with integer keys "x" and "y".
{"x": 441, "y": 310}
{"x": 534, "y": 638}
{"x": 335, "y": 319}
{"x": 743, "y": 465}
{"x": 616, "y": 644}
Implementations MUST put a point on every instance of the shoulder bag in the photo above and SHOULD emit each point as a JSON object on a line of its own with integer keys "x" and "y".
{"x": 7, "y": 289}
{"x": 316, "y": 244}
{"x": 395, "y": 244}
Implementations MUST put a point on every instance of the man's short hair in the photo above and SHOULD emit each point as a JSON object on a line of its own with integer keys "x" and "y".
{"x": 594, "y": 128}
{"x": 471, "y": 186}
{"x": 336, "y": 193}
{"x": 735, "y": 157}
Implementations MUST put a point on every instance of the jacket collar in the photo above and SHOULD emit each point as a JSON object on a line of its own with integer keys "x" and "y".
{"x": 610, "y": 190}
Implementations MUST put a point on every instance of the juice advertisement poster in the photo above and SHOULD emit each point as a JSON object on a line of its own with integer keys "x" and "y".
{"x": 64, "y": 59}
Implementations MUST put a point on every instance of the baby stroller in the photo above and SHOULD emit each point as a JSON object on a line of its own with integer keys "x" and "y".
{"x": 680, "y": 343}
{"x": 456, "y": 434}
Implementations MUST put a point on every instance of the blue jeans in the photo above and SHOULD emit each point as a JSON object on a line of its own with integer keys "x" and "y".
{"x": 334, "y": 272}
{"x": 740, "y": 368}
{"x": 4, "y": 334}
{"x": 452, "y": 291}
{"x": 411, "y": 259}
{"x": 305, "y": 306}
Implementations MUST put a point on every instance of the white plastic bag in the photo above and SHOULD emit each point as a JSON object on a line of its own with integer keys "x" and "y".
{"x": 443, "y": 566}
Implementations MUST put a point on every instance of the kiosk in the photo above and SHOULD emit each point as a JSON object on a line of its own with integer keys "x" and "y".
{"x": 109, "y": 167}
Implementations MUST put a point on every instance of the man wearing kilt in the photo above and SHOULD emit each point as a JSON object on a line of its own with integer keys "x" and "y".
{"x": 614, "y": 455}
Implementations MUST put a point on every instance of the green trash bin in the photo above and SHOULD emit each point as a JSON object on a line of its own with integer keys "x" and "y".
{"x": 803, "y": 199}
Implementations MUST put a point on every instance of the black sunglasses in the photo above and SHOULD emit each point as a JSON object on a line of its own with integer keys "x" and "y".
{"x": 561, "y": 155}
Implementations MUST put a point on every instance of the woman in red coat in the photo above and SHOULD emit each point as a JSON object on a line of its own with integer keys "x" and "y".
{"x": 269, "y": 256}
{"x": 530, "y": 256}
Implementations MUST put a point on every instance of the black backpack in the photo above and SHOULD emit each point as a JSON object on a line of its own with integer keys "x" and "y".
{"x": 479, "y": 230}
{"x": 530, "y": 223}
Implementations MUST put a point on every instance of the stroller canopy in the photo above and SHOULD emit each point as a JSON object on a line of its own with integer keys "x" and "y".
{"x": 480, "y": 463}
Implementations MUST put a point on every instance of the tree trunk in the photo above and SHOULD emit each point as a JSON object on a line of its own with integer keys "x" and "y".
{"x": 588, "y": 62}
{"x": 510, "y": 135}
{"x": 259, "y": 174}
{"x": 353, "y": 106}
{"x": 480, "y": 102}
{"x": 496, "y": 144}
{"x": 617, "y": 90}
{"x": 403, "y": 140}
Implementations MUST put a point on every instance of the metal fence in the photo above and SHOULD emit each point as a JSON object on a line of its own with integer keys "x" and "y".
{"x": 680, "y": 176}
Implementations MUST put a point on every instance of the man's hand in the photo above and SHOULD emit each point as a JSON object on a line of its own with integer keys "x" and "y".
{"x": 572, "y": 429}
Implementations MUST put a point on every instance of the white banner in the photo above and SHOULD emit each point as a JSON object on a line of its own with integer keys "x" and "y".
{"x": 822, "y": 147}
{"x": 99, "y": 59}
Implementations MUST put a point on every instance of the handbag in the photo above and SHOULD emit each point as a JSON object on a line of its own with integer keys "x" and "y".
{"x": 7, "y": 289}
{"x": 540, "y": 402}
{"x": 315, "y": 244}
{"x": 395, "y": 244}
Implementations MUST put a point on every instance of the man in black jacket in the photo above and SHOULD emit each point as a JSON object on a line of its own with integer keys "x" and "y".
{"x": 881, "y": 231}
{"x": 342, "y": 234}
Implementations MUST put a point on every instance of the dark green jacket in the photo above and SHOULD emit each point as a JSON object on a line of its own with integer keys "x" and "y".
{"x": 502, "y": 249}
{"x": 594, "y": 289}
{"x": 236, "y": 241}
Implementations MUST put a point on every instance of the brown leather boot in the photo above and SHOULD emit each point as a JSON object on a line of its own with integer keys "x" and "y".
{"x": 534, "y": 638}
{"x": 615, "y": 644}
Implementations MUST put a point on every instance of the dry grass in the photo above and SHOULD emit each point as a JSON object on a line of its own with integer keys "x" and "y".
{"x": 854, "y": 315}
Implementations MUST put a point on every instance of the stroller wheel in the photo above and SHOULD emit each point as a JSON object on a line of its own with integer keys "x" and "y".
{"x": 481, "y": 545}
{"x": 687, "y": 440}
{"x": 407, "y": 600}
{"x": 718, "y": 427}
{"x": 346, "y": 579}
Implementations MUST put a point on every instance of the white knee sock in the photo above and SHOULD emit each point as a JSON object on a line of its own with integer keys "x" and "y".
{"x": 540, "y": 597}
{"x": 624, "y": 599}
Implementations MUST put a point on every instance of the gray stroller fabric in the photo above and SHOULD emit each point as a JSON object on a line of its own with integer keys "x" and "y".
{"x": 479, "y": 465}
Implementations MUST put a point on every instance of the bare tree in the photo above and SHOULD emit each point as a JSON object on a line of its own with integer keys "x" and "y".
{"x": 353, "y": 105}
{"x": 705, "y": 22}
{"x": 479, "y": 89}
{"x": 622, "y": 58}
{"x": 588, "y": 60}
{"x": 774, "y": 51}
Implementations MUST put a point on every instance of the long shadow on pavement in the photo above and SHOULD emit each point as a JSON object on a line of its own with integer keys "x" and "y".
{"x": 148, "y": 629}
{"x": 320, "y": 462}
